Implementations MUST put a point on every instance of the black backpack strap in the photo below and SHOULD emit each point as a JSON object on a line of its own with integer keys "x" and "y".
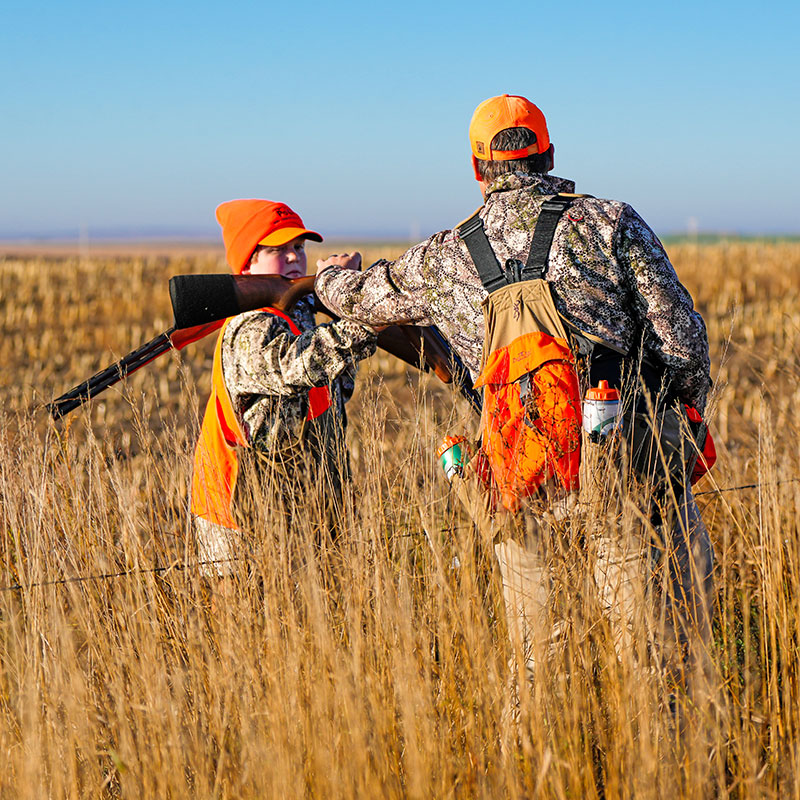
{"x": 474, "y": 236}
{"x": 536, "y": 265}
{"x": 489, "y": 269}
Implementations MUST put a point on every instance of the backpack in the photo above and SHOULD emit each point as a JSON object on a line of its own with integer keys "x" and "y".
{"x": 531, "y": 418}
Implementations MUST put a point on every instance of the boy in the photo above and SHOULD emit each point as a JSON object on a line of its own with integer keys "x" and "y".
{"x": 275, "y": 420}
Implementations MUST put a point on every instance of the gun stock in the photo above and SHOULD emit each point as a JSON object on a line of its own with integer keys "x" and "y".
{"x": 200, "y": 299}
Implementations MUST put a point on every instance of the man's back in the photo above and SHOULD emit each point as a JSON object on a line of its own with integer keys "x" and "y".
{"x": 609, "y": 274}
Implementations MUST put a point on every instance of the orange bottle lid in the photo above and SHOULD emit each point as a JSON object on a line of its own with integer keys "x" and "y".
{"x": 602, "y": 392}
{"x": 447, "y": 443}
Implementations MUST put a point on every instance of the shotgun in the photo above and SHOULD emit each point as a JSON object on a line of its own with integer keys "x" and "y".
{"x": 201, "y": 303}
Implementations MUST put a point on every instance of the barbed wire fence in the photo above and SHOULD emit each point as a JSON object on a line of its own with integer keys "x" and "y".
{"x": 190, "y": 565}
{"x": 105, "y": 576}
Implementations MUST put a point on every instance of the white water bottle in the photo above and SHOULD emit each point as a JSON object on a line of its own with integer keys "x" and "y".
{"x": 601, "y": 411}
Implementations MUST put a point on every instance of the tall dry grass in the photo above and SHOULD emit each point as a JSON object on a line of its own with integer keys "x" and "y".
{"x": 377, "y": 668}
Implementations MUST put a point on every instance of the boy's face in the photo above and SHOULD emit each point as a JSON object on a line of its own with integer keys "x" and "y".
{"x": 288, "y": 260}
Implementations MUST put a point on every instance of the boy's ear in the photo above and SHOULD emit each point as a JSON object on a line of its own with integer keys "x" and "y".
{"x": 246, "y": 267}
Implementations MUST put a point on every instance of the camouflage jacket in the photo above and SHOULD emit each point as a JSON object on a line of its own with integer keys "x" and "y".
{"x": 608, "y": 271}
{"x": 268, "y": 370}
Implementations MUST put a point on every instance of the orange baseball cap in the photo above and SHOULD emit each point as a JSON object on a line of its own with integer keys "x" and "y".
{"x": 249, "y": 223}
{"x": 495, "y": 115}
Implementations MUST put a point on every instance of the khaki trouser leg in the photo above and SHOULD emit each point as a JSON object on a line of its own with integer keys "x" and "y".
{"x": 526, "y": 593}
{"x": 524, "y": 571}
{"x": 657, "y": 595}
{"x": 618, "y": 571}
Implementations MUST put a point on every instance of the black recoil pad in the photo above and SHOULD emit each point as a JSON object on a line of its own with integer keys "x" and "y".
{"x": 199, "y": 299}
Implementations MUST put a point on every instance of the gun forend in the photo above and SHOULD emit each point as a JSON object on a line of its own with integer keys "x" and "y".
{"x": 200, "y": 299}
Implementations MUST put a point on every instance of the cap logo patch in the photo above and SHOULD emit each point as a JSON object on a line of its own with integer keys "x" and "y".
{"x": 480, "y": 147}
{"x": 282, "y": 211}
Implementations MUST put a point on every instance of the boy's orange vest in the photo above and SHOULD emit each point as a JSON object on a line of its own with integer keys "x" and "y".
{"x": 216, "y": 464}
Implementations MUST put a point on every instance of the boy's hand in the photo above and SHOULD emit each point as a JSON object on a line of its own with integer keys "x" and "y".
{"x": 346, "y": 260}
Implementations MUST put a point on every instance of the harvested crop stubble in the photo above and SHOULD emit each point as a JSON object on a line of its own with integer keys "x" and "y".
{"x": 375, "y": 669}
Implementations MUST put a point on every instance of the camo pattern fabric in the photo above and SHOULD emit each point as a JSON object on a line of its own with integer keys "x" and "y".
{"x": 268, "y": 370}
{"x": 609, "y": 274}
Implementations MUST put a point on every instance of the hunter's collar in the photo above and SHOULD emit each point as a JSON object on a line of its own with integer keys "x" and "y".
{"x": 539, "y": 183}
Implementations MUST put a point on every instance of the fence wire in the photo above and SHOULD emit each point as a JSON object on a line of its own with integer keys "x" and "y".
{"x": 189, "y": 565}
{"x": 176, "y": 566}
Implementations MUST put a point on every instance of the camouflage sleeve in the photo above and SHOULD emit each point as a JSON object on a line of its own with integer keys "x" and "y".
{"x": 673, "y": 331}
{"x": 388, "y": 293}
{"x": 260, "y": 354}
{"x": 347, "y": 381}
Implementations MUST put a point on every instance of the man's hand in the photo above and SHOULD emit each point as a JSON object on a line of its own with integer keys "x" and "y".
{"x": 346, "y": 260}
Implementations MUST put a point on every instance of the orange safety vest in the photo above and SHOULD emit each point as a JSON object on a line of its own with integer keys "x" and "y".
{"x": 216, "y": 464}
{"x": 531, "y": 431}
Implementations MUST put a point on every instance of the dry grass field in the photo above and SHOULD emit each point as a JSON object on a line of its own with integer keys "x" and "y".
{"x": 379, "y": 669}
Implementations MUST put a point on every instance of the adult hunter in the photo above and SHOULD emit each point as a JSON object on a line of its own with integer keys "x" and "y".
{"x": 627, "y": 316}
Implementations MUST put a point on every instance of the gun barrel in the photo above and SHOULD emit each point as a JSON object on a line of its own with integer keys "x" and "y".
{"x": 100, "y": 381}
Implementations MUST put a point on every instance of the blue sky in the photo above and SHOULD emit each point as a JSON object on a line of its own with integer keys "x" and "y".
{"x": 139, "y": 118}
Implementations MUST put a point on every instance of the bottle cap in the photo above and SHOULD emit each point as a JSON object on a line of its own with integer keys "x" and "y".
{"x": 447, "y": 443}
{"x": 602, "y": 392}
